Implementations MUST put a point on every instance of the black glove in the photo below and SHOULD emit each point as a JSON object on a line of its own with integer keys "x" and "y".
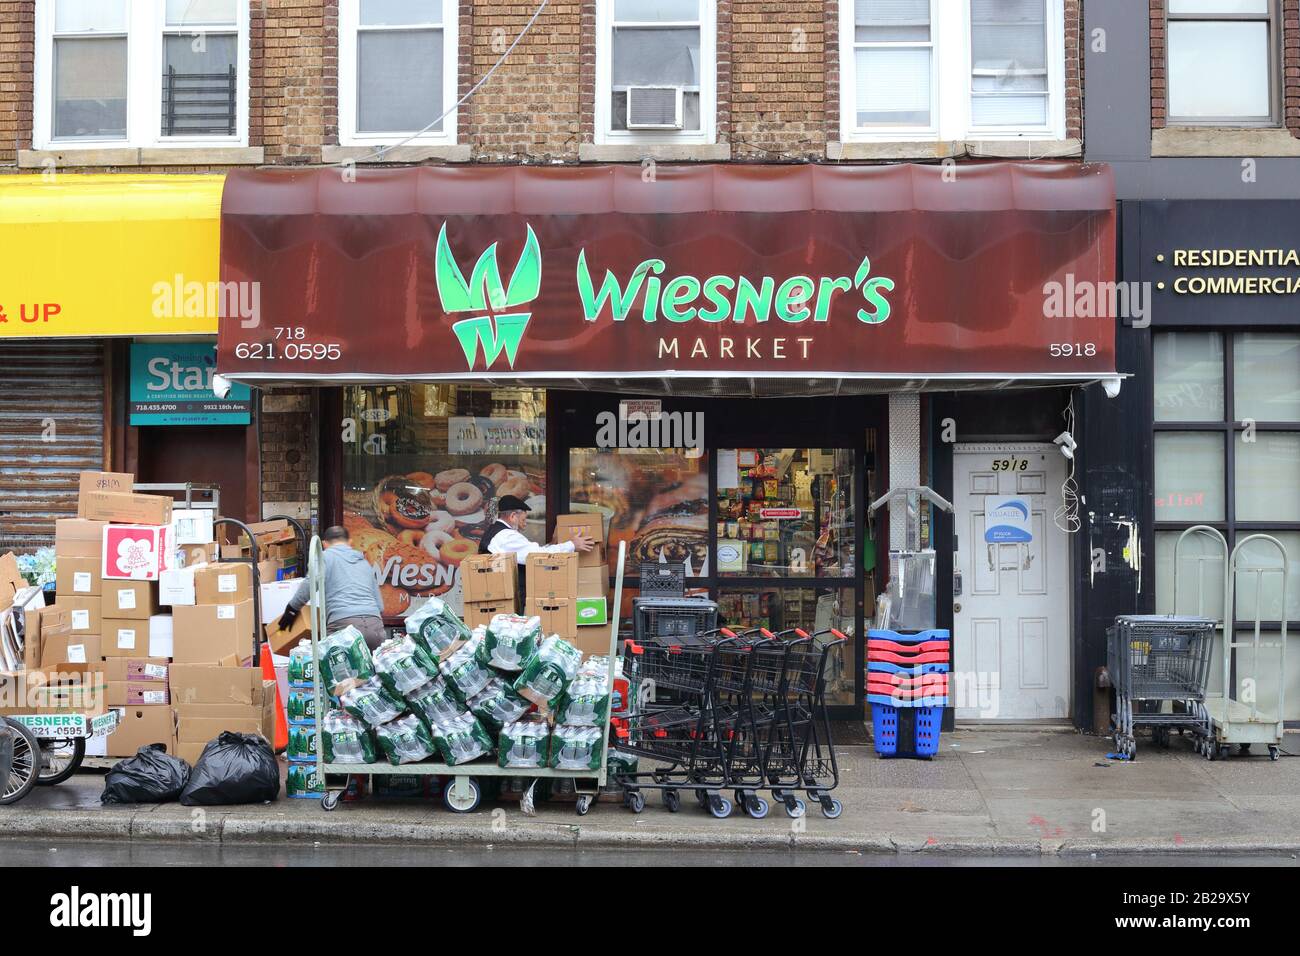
{"x": 288, "y": 617}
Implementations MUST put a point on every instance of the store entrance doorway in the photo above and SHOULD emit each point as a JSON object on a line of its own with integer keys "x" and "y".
{"x": 768, "y": 512}
{"x": 1011, "y": 596}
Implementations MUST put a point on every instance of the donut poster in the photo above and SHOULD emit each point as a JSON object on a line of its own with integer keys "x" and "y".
{"x": 420, "y": 490}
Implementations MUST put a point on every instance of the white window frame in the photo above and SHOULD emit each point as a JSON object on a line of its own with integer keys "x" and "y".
{"x": 950, "y": 82}
{"x": 349, "y": 27}
{"x": 144, "y": 51}
{"x": 707, "y": 133}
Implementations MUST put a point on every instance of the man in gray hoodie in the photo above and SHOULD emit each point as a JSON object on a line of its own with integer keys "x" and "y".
{"x": 351, "y": 590}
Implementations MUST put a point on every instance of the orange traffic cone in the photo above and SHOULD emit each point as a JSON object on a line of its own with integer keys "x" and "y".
{"x": 281, "y": 724}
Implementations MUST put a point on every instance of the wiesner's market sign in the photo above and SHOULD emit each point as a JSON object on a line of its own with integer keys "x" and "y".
{"x": 439, "y": 272}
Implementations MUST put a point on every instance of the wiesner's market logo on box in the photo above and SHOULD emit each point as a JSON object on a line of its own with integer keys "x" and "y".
{"x": 500, "y": 325}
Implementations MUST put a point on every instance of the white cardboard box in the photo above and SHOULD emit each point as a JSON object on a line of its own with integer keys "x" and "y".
{"x": 275, "y": 598}
{"x": 176, "y": 586}
{"x": 192, "y": 525}
{"x": 160, "y": 635}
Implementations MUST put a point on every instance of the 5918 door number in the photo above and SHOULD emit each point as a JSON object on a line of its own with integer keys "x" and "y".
{"x": 1010, "y": 464}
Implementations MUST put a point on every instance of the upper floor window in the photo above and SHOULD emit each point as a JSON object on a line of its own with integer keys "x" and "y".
{"x": 952, "y": 69}
{"x": 141, "y": 72}
{"x": 1221, "y": 62}
{"x": 655, "y": 71}
{"x": 397, "y": 71}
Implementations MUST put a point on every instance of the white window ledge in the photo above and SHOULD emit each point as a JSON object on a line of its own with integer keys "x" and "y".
{"x": 662, "y": 152}
{"x": 449, "y": 153}
{"x": 945, "y": 149}
{"x": 1223, "y": 141}
{"x": 137, "y": 156}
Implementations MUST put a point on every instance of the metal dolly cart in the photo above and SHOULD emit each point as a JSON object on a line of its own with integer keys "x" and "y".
{"x": 1154, "y": 660}
{"x": 464, "y": 794}
{"x": 49, "y": 748}
{"x": 1243, "y": 712}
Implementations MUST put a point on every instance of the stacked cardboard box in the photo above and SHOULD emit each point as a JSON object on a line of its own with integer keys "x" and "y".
{"x": 277, "y": 549}
{"x": 138, "y": 689}
{"x": 552, "y": 592}
{"x": 219, "y": 624}
{"x": 592, "y": 599}
{"x": 211, "y": 699}
{"x": 488, "y": 584}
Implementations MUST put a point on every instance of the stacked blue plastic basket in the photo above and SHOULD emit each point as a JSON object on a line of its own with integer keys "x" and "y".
{"x": 907, "y": 688}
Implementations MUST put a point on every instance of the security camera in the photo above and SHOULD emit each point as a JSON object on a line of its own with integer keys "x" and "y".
{"x": 1112, "y": 386}
{"x": 1067, "y": 443}
{"x": 220, "y": 386}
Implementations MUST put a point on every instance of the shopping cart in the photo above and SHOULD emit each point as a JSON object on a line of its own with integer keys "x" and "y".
{"x": 1159, "y": 665}
{"x": 722, "y": 711}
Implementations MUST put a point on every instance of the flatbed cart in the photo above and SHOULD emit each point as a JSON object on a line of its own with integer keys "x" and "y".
{"x": 1243, "y": 714}
{"x": 50, "y": 748}
{"x": 463, "y": 794}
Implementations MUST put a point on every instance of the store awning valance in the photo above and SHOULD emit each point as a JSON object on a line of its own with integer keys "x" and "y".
{"x": 109, "y": 255}
{"x": 674, "y": 278}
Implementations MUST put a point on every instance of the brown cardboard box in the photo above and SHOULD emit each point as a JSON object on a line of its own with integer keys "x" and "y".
{"x": 137, "y": 669}
{"x": 489, "y": 577}
{"x": 68, "y": 688}
{"x": 207, "y": 633}
{"x": 283, "y": 639}
{"x": 79, "y": 538}
{"x": 200, "y": 723}
{"x": 54, "y": 620}
{"x": 134, "y": 600}
{"x": 552, "y": 575}
{"x": 102, "y": 481}
{"x": 223, "y": 583}
{"x": 593, "y": 525}
{"x": 481, "y": 612}
{"x": 70, "y": 648}
{"x": 11, "y": 581}
{"x": 559, "y": 616}
{"x": 83, "y": 613}
{"x": 76, "y": 576}
{"x": 126, "y": 637}
{"x": 195, "y": 554}
{"x": 140, "y": 726}
{"x": 127, "y": 508}
{"x": 593, "y": 582}
{"x": 122, "y": 693}
{"x": 212, "y": 684}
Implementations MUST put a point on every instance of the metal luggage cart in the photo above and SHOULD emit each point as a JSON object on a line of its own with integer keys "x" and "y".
{"x": 1250, "y": 707}
{"x": 1159, "y": 665}
{"x": 461, "y": 792}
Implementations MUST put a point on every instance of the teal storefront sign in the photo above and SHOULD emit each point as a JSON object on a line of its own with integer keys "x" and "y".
{"x": 171, "y": 384}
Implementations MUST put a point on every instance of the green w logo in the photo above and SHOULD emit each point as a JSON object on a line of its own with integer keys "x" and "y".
{"x": 501, "y": 329}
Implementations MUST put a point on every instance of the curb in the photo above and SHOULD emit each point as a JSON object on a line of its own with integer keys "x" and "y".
{"x": 145, "y": 826}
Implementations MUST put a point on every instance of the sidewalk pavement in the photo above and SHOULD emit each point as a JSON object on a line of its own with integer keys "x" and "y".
{"x": 989, "y": 791}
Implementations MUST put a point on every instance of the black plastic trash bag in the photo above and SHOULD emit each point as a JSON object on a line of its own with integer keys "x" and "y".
{"x": 151, "y": 776}
{"x": 234, "y": 768}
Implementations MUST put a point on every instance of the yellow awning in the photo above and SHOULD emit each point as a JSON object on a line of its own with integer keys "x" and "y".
{"x": 108, "y": 254}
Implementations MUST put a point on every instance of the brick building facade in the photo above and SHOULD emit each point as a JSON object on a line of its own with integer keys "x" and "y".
{"x": 777, "y": 99}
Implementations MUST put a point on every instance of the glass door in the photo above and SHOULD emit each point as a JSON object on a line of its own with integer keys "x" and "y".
{"x": 785, "y": 546}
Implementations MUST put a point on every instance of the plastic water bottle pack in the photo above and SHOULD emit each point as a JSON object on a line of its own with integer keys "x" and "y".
{"x": 509, "y": 640}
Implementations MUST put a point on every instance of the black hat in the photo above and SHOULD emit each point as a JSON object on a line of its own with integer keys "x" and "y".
{"x": 511, "y": 503}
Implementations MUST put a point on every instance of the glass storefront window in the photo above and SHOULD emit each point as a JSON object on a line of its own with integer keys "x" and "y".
{"x": 785, "y": 512}
{"x": 1262, "y": 593}
{"x": 813, "y": 609}
{"x": 1266, "y": 377}
{"x": 423, "y": 467}
{"x": 1268, "y": 477}
{"x": 1189, "y": 476}
{"x": 1200, "y": 582}
{"x": 1189, "y": 377}
{"x": 655, "y": 499}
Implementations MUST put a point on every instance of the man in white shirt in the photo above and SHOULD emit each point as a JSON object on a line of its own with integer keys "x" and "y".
{"x": 506, "y": 536}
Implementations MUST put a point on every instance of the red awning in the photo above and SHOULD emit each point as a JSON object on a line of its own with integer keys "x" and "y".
{"x": 705, "y": 279}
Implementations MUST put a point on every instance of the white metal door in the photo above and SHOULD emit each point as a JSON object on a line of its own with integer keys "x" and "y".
{"x": 1011, "y": 621}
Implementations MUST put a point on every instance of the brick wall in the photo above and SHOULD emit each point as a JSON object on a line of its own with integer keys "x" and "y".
{"x": 531, "y": 108}
{"x": 292, "y": 92}
{"x": 1290, "y": 66}
{"x": 778, "y": 80}
{"x": 288, "y": 445}
{"x": 17, "y": 44}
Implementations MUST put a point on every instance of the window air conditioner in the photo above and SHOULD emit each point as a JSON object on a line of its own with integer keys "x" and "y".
{"x": 654, "y": 107}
